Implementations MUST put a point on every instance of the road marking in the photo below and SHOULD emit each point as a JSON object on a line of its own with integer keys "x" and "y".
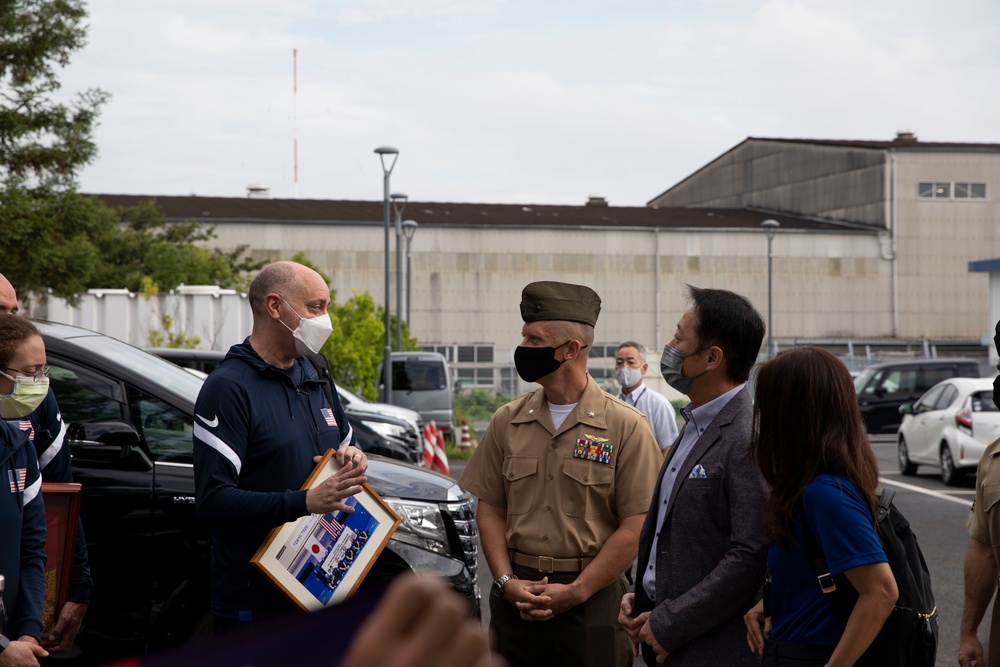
{"x": 926, "y": 492}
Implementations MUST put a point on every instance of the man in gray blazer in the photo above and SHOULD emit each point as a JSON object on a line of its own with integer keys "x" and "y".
{"x": 702, "y": 557}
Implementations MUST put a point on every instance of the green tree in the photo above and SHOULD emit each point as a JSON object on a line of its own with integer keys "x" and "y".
{"x": 142, "y": 245}
{"x": 354, "y": 350}
{"x": 43, "y": 142}
{"x": 45, "y": 226}
{"x": 356, "y": 345}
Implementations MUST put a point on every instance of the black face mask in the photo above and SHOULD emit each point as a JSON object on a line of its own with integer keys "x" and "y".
{"x": 534, "y": 363}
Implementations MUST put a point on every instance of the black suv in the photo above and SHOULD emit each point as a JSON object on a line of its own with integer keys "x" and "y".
{"x": 377, "y": 433}
{"x": 129, "y": 417}
{"x": 883, "y": 388}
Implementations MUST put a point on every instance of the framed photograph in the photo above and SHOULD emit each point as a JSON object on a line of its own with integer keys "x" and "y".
{"x": 62, "y": 510}
{"x": 321, "y": 559}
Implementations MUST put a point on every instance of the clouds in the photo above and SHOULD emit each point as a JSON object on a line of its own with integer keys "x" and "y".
{"x": 511, "y": 101}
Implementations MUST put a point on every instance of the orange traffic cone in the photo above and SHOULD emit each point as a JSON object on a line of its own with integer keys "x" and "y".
{"x": 440, "y": 457}
{"x": 430, "y": 443}
{"x": 466, "y": 441}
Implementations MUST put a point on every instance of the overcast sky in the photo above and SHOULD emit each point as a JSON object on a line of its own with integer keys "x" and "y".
{"x": 513, "y": 101}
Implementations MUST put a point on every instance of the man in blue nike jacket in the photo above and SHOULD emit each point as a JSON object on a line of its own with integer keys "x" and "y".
{"x": 262, "y": 421}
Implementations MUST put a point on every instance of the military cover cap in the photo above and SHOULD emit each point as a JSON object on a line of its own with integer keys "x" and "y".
{"x": 549, "y": 300}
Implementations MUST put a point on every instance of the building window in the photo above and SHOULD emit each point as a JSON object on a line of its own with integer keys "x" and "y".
{"x": 448, "y": 351}
{"x": 482, "y": 354}
{"x": 950, "y": 190}
{"x": 970, "y": 191}
{"x": 599, "y": 351}
{"x": 476, "y": 376}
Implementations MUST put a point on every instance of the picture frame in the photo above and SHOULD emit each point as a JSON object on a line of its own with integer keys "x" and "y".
{"x": 62, "y": 513}
{"x": 320, "y": 559}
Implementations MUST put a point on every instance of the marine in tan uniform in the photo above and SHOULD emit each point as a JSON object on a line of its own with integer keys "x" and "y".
{"x": 982, "y": 554}
{"x": 564, "y": 476}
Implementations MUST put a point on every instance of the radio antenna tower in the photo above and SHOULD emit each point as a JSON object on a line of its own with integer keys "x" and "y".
{"x": 295, "y": 119}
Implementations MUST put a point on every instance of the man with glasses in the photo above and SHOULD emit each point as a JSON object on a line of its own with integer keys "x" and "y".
{"x": 45, "y": 428}
{"x": 630, "y": 370}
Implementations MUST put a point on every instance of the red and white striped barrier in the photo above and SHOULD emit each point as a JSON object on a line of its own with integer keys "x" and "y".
{"x": 466, "y": 441}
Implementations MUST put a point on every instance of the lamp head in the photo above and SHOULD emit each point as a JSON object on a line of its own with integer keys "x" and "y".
{"x": 409, "y": 229}
{"x": 769, "y": 227}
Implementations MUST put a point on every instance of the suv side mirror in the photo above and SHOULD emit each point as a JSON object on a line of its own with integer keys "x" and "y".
{"x": 113, "y": 443}
{"x": 880, "y": 391}
{"x": 906, "y": 409}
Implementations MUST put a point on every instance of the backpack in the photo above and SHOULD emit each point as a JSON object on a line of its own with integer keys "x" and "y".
{"x": 909, "y": 636}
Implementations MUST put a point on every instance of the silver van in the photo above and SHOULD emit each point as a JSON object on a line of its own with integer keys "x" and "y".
{"x": 421, "y": 381}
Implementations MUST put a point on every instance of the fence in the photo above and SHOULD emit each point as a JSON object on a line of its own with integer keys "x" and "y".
{"x": 217, "y": 317}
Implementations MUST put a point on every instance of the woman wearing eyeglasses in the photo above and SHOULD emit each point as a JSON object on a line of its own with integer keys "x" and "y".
{"x": 28, "y": 404}
{"x": 22, "y": 514}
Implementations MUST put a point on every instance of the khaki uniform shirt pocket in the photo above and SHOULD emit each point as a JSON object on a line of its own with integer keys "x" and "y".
{"x": 587, "y": 492}
{"x": 519, "y": 471}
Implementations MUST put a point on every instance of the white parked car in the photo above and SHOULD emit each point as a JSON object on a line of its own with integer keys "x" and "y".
{"x": 948, "y": 427}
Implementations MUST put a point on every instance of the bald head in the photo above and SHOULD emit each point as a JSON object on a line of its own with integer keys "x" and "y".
{"x": 289, "y": 279}
{"x": 8, "y": 297}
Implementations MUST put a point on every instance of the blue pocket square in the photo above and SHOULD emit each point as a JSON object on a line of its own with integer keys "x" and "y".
{"x": 697, "y": 472}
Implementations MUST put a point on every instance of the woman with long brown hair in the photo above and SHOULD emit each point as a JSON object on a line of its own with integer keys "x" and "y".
{"x": 811, "y": 446}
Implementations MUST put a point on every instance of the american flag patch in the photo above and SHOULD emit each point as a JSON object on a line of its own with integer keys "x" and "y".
{"x": 25, "y": 425}
{"x": 328, "y": 416}
{"x": 17, "y": 478}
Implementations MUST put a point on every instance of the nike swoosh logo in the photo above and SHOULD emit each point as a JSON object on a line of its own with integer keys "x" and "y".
{"x": 211, "y": 424}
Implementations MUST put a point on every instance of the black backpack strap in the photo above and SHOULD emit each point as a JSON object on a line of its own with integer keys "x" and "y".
{"x": 884, "y": 500}
{"x": 838, "y": 605}
{"x": 323, "y": 368}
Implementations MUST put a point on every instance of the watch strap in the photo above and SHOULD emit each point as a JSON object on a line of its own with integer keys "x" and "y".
{"x": 499, "y": 583}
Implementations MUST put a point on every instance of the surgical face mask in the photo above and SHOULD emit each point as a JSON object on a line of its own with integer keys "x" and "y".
{"x": 28, "y": 394}
{"x": 672, "y": 368}
{"x": 534, "y": 363}
{"x": 628, "y": 377}
{"x": 311, "y": 333}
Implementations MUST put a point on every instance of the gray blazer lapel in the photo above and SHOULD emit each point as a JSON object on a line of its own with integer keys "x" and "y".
{"x": 712, "y": 435}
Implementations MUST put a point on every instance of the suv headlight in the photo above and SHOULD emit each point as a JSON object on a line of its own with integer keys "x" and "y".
{"x": 421, "y": 525}
{"x": 387, "y": 430}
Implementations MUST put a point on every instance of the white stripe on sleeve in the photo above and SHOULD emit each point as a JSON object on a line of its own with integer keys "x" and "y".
{"x": 347, "y": 438}
{"x": 53, "y": 450}
{"x": 218, "y": 445}
{"x": 33, "y": 490}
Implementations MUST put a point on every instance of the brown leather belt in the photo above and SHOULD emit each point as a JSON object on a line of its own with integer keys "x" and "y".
{"x": 548, "y": 564}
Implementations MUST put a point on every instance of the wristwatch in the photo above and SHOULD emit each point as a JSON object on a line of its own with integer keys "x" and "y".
{"x": 4, "y": 642}
{"x": 499, "y": 583}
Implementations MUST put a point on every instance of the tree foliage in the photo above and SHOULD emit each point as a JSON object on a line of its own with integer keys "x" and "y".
{"x": 142, "y": 245}
{"x": 43, "y": 141}
{"x": 356, "y": 346}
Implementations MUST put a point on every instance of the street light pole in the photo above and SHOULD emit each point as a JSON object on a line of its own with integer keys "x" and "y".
{"x": 383, "y": 152}
{"x": 409, "y": 229}
{"x": 769, "y": 229}
{"x": 398, "y": 204}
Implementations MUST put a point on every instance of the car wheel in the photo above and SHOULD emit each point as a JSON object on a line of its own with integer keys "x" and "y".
{"x": 906, "y": 467}
{"x": 949, "y": 474}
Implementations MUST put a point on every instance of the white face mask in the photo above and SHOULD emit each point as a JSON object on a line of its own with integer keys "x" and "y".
{"x": 628, "y": 377}
{"x": 311, "y": 332}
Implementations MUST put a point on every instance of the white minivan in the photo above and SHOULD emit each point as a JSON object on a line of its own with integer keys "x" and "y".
{"x": 422, "y": 381}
